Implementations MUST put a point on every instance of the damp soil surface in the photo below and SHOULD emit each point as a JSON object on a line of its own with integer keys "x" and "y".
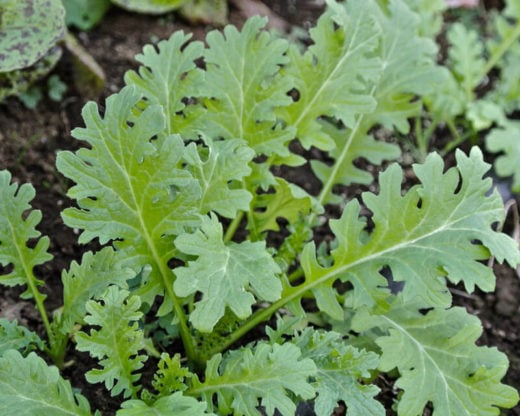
{"x": 30, "y": 139}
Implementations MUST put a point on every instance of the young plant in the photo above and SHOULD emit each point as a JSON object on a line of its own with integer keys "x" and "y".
{"x": 205, "y": 242}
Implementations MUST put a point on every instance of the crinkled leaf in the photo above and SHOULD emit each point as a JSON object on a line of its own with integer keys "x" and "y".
{"x": 243, "y": 87}
{"x": 333, "y": 76}
{"x": 401, "y": 49}
{"x": 28, "y": 386}
{"x": 173, "y": 405}
{"x": 17, "y": 337}
{"x": 29, "y": 30}
{"x": 438, "y": 361}
{"x": 150, "y": 6}
{"x": 168, "y": 75}
{"x": 225, "y": 165}
{"x": 88, "y": 280}
{"x": 170, "y": 375}
{"x": 466, "y": 57}
{"x": 116, "y": 343}
{"x": 438, "y": 230}
{"x": 227, "y": 275}
{"x": 16, "y": 231}
{"x": 129, "y": 188}
{"x": 340, "y": 369}
{"x": 507, "y": 141}
{"x": 268, "y": 375}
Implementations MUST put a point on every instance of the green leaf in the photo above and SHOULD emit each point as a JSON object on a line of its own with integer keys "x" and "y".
{"x": 466, "y": 57}
{"x": 227, "y": 275}
{"x": 116, "y": 343}
{"x": 288, "y": 201}
{"x": 340, "y": 369}
{"x": 438, "y": 230}
{"x": 170, "y": 375}
{"x": 150, "y": 6}
{"x": 16, "y": 337}
{"x": 438, "y": 361}
{"x": 29, "y": 30}
{"x": 333, "y": 76}
{"x": 244, "y": 379}
{"x": 88, "y": 280}
{"x": 16, "y": 231}
{"x": 173, "y": 405}
{"x": 168, "y": 75}
{"x": 507, "y": 141}
{"x": 85, "y": 14}
{"x": 243, "y": 87}
{"x": 129, "y": 188}
{"x": 222, "y": 170}
{"x": 28, "y": 387}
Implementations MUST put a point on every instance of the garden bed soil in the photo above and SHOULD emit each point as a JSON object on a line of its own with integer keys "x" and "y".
{"x": 29, "y": 140}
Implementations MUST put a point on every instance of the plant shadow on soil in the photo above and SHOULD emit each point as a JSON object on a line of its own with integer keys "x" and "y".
{"x": 29, "y": 140}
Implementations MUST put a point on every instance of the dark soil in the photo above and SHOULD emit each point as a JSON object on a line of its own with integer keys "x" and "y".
{"x": 29, "y": 140}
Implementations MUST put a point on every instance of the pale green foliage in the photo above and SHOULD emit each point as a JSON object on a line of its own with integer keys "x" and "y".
{"x": 15, "y": 232}
{"x": 225, "y": 274}
{"x": 16, "y": 337}
{"x": 425, "y": 236}
{"x": 506, "y": 140}
{"x": 116, "y": 343}
{"x": 173, "y": 405}
{"x": 264, "y": 372}
{"x": 189, "y": 176}
{"x": 438, "y": 361}
{"x": 29, "y": 387}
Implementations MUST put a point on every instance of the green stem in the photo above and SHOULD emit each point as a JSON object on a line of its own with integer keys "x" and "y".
{"x": 233, "y": 227}
{"x": 506, "y": 44}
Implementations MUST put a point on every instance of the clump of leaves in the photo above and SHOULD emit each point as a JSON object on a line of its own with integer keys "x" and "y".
{"x": 202, "y": 237}
{"x": 29, "y": 34}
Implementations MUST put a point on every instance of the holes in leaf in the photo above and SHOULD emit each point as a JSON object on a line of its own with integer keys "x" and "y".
{"x": 419, "y": 203}
{"x": 294, "y": 94}
{"x": 394, "y": 286}
{"x": 459, "y": 185}
{"x": 7, "y": 269}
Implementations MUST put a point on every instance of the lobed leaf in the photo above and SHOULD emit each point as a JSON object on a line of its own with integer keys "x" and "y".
{"x": 506, "y": 141}
{"x": 226, "y": 275}
{"x": 175, "y": 404}
{"x": 18, "y": 255}
{"x": 266, "y": 375}
{"x": 438, "y": 361}
{"x": 438, "y": 230}
{"x": 28, "y": 386}
{"x": 129, "y": 188}
{"x": 17, "y": 337}
{"x": 116, "y": 343}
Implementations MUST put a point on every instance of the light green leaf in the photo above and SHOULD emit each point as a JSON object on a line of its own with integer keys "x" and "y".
{"x": 243, "y": 87}
{"x": 227, "y": 275}
{"x": 29, "y": 30}
{"x": 88, "y": 280}
{"x": 29, "y": 387}
{"x": 173, "y": 405}
{"x": 16, "y": 231}
{"x": 439, "y": 362}
{"x": 438, "y": 230}
{"x": 150, "y": 6}
{"x": 340, "y": 369}
{"x": 168, "y": 75}
{"x": 116, "y": 343}
{"x": 16, "y": 337}
{"x": 506, "y": 140}
{"x": 333, "y": 76}
{"x": 288, "y": 201}
{"x": 219, "y": 172}
{"x": 466, "y": 57}
{"x": 244, "y": 379}
{"x": 129, "y": 188}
